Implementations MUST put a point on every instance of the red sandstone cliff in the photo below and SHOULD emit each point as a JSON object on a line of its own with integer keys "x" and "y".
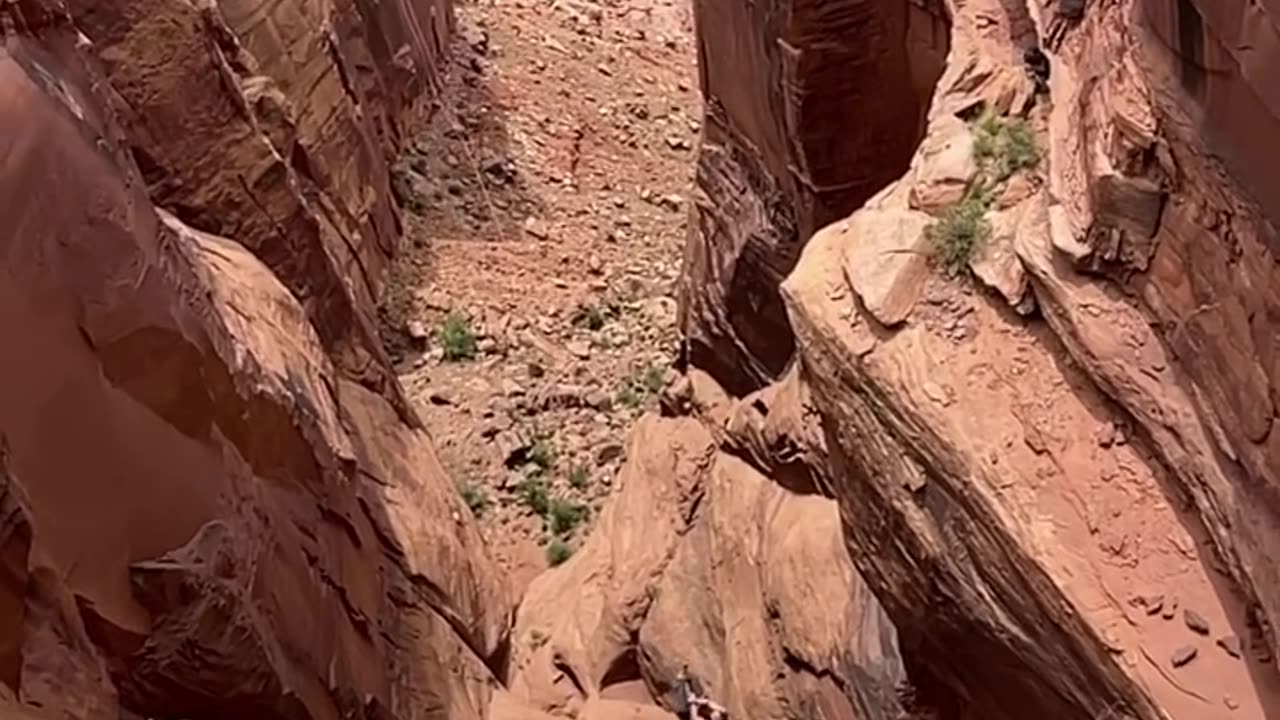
{"x": 213, "y": 500}
{"x": 1057, "y": 476}
{"x": 1056, "y": 480}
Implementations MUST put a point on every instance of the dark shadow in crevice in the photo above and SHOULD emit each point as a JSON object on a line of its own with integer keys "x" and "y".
{"x": 624, "y": 669}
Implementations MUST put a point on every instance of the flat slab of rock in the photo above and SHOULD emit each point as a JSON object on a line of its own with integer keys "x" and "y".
{"x": 945, "y": 165}
{"x": 1182, "y": 656}
{"x": 886, "y": 259}
{"x": 996, "y": 264}
{"x": 1195, "y": 621}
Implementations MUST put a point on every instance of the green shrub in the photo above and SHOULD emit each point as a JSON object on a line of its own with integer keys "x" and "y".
{"x": 475, "y": 497}
{"x": 1003, "y": 146}
{"x": 557, "y": 552}
{"x": 456, "y": 337}
{"x": 637, "y": 389}
{"x": 960, "y": 232}
{"x": 654, "y": 378}
{"x": 592, "y": 317}
{"x": 564, "y": 515}
{"x": 533, "y": 492}
{"x": 628, "y": 396}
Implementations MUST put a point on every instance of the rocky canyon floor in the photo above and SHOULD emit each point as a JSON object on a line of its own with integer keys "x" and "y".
{"x": 532, "y": 315}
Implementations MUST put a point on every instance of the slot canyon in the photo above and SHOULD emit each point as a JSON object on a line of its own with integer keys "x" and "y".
{"x": 524, "y": 359}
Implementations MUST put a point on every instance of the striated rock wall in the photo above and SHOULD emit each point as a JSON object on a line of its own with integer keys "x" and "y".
{"x": 212, "y": 502}
{"x": 272, "y": 123}
{"x": 801, "y": 126}
{"x": 1056, "y": 471}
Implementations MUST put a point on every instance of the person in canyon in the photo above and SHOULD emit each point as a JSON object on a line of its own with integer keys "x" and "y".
{"x": 688, "y": 700}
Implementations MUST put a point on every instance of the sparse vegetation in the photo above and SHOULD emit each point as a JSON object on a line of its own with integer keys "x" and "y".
{"x": 534, "y": 494}
{"x": 654, "y": 378}
{"x": 639, "y": 388}
{"x": 542, "y": 455}
{"x": 558, "y": 551}
{"x": 961, "y": 230}
{"x": 628, "y": 396}
{"x": 592, "y": 317}
{"x": 565, "y": 515}
{"x": 1001, "y": 147}
{"x": 579, "y": 476}
{"x": 475, "y": 497}
{"x": 456, "y": 338}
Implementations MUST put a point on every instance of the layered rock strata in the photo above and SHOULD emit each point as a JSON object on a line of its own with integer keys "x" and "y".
{"x": 212, "y": 501}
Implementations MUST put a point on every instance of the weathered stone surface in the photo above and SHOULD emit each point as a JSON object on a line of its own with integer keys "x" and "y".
{"x": 801, "y": 127}
{"x": 996, "y": 264}
{"x": 193, "y": 483}
{"x": 702, "y": 561}
{"x": 969, "y": 474}
{"x": 244, "y": 122}
{"x": 944, "y": 166}
{"x": 886, "y": 258}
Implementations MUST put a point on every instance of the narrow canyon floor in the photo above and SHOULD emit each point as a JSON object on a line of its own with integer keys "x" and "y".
{"x": 532, "y": 312}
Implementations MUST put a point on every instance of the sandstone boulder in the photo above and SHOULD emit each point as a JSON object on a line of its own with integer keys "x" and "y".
{"x": 945, "y": 165}
{"x": 886, "y": 260}
{"x": 997, "y": 265}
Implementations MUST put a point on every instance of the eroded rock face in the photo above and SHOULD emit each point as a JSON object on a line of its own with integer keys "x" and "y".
{"x": 801, "y": 125}
{"x": 273, "y": 126}
{"x": 703, "y": 561}
{"x": 205, "y": 509}
{"x": 1068, "y": 516}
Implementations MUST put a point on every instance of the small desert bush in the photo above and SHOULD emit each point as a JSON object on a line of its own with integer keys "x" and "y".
{"x": 542, "y": 454}
{"x": 534, "y": 494}
{"x": 564, "y": 515}
{"x": 635, "y": 390}
{"x": 960, "y": 232}
{"x": 1003, "y": 146}
{"x": 456, "y": 338}
{"x": 558, "y": 551}
{"x": 592, "y": 317}
{"x": 579, "y": 476}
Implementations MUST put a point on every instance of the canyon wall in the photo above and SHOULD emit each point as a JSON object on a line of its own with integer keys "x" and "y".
{"x": 1055, "y": 470}
{"x": 214, "y": 501}
{"x": 810, "y": 108}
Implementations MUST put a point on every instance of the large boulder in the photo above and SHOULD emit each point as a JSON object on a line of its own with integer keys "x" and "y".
{"x": 205, "y": 511}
